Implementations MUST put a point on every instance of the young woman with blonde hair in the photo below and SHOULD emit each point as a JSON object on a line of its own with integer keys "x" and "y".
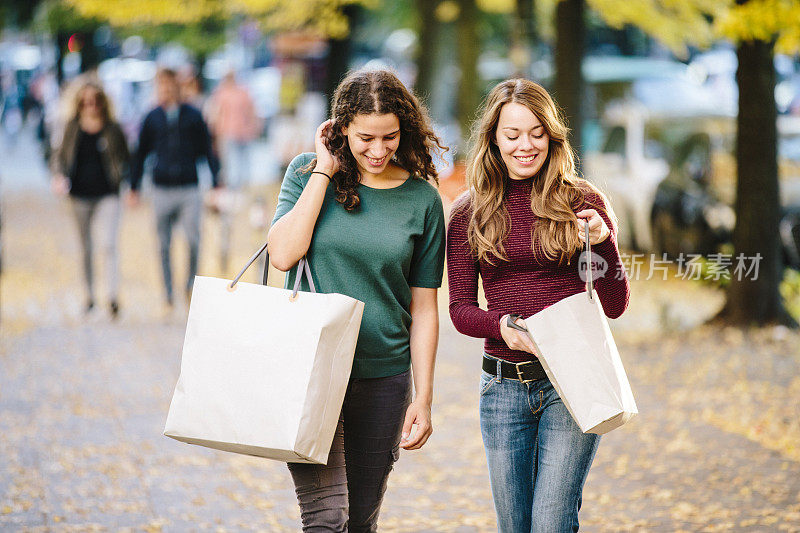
{"x": 520, "y": 228}
{"x": 89, "y": 165}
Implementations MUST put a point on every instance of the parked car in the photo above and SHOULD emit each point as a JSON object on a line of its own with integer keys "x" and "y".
{"x": 672, "y": 180}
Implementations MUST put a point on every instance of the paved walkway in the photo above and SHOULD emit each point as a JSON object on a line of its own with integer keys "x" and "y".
{"x": 82, "y": 407}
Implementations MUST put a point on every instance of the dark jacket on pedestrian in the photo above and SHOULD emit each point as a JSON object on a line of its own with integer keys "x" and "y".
{"x": 177, "y": 144}
{"x": 111, "y": 145}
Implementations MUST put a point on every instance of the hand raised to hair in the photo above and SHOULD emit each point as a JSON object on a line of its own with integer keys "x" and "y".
{"x": 326, "y": 162}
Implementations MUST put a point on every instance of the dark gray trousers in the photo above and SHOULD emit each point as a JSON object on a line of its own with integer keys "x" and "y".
{"x": 346, "y": 494}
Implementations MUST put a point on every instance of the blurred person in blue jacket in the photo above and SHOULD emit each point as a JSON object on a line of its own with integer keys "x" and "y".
{"x": 178, "y": 136}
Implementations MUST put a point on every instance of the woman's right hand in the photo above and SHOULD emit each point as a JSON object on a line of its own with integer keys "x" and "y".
{"x": 325, "y": 161}
{"x": 515, "y": 339}
{"x": 60, "y": 184}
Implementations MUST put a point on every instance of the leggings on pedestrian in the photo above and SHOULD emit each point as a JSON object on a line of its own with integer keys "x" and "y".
{"x": 104, "y": 213}
{"x": 346, "y": 494}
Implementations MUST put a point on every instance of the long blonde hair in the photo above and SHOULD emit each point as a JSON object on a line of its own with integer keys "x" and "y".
{"x": 82, "y": 86}
{"x": 556, "y": 191}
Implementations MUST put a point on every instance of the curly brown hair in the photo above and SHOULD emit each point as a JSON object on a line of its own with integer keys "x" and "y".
{"x": 379, "y": 92}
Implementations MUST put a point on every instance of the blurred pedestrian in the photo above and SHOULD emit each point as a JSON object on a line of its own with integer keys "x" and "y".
{"x": 178, "y": 136}
{"x": 89, "y": 165}
{"x": 519, "y": 228}
{"x": 234, "y": 125}
{"x": 191, "y": 89}
{"x": 11, "y": 116}
{"x": 361, "y": 209}
{"x": 44, "y": 92}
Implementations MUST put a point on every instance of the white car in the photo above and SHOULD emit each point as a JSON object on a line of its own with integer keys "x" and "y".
{"x": 672, "y": 179}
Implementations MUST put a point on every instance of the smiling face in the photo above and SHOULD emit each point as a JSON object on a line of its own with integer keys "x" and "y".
{"x": 373, "y": 140}
{"x": 522, "y": 141}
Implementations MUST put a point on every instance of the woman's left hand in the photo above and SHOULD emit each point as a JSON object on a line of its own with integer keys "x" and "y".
{"x": 598, "y": 230}
{"x": 419, "y": 414}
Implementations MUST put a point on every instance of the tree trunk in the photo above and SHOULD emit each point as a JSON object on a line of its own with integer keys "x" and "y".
{"x": 426, "y": 49}
{"x": 468, "y": 50}
{"x": 90, "y": 54}
{"x": 62, "y": 38}
{"x": 338, "y": 60}
{"x": 569, "y": 84}
{"x": 522, "y": 36}
{"x": 756, "y": 301}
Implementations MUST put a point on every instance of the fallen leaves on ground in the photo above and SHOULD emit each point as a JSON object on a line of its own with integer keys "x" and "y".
{"x": 82, "y": 407}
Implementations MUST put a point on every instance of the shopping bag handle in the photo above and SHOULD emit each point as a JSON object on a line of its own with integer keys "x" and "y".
{"x": 302, "y": 267}
{"x": 589, "y": 273}
{"x": 511, "y": 322}
{"x": 250, "y": 262}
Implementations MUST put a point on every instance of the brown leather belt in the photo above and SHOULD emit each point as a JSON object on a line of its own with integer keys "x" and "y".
{"x": 525, "y": 372}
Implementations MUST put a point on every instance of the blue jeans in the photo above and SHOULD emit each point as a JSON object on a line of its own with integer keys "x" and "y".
{"x": 538, "y": 457}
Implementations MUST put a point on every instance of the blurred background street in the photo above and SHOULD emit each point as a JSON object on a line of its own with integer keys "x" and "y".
{"x": 658, "y": 98}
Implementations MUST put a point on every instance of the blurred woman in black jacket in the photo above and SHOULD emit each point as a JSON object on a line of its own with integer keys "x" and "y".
{"x": 89, "y": 165}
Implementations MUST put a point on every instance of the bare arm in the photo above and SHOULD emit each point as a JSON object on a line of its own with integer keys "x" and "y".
{"x": 290, "y": 237}
{"x": 424, "y": 340}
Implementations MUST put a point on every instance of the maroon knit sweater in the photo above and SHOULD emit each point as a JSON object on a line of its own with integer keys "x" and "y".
{"x": 523, "y": 285}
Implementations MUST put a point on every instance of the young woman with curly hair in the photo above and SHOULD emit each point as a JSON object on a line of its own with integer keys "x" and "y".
{"x": 519, "y": 227}
{"x": 372, "y": 227}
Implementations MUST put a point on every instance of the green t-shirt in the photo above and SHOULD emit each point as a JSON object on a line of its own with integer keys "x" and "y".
{"x": 393, "y": 241}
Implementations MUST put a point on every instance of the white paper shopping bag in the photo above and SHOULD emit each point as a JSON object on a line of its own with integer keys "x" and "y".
{"x": 264, "y": 370}
{"x": 581, "y": 360}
